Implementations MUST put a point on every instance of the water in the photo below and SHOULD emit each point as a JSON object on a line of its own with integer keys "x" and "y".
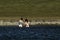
{"x": 32, "y": 33}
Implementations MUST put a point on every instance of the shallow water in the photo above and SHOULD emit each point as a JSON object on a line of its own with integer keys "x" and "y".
{"x": 32, "y": 33}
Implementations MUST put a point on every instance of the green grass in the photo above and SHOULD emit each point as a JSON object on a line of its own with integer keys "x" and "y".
{"x": 31, "y": 8}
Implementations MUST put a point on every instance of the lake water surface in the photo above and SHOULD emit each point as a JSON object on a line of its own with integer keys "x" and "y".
{"x": 41, "y": 32}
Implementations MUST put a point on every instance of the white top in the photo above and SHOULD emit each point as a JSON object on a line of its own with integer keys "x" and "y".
{"x": 27, "y": 24}
{"x": 21, "y": 23}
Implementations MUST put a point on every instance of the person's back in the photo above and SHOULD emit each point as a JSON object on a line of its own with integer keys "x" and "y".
{"x": 21, "y": 22}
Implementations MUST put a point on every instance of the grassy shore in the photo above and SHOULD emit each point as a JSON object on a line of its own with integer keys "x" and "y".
{"x": 29, "y": 8}
{"x": 32, "y": 18}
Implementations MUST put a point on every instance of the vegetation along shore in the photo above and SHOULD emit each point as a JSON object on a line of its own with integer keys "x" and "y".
{"x": 34, "y": 10}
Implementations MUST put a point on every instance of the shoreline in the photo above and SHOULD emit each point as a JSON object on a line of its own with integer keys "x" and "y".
{"x": 38, "y": 20}
{"x": 15, "y": 23}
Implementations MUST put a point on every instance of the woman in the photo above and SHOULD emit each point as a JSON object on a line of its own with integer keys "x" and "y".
{"x": 26, "y": 23}
{"x": 21, "y": 22}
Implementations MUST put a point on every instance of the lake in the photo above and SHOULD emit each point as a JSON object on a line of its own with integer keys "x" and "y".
{"x": 37, "y": 32}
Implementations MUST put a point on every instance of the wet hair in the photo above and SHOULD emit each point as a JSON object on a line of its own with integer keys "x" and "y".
{"x": 21, "y": 18}
{"x": 26, "y": 20}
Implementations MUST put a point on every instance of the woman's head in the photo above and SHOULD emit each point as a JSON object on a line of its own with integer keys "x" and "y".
{"x": 21, "y": 18}
{"x": 26, "y": 20}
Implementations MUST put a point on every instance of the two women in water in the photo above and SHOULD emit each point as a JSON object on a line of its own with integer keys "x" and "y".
{"x": 23, "y": 23}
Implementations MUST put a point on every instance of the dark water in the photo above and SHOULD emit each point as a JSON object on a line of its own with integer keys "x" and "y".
{"x": 32, "y": 33}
